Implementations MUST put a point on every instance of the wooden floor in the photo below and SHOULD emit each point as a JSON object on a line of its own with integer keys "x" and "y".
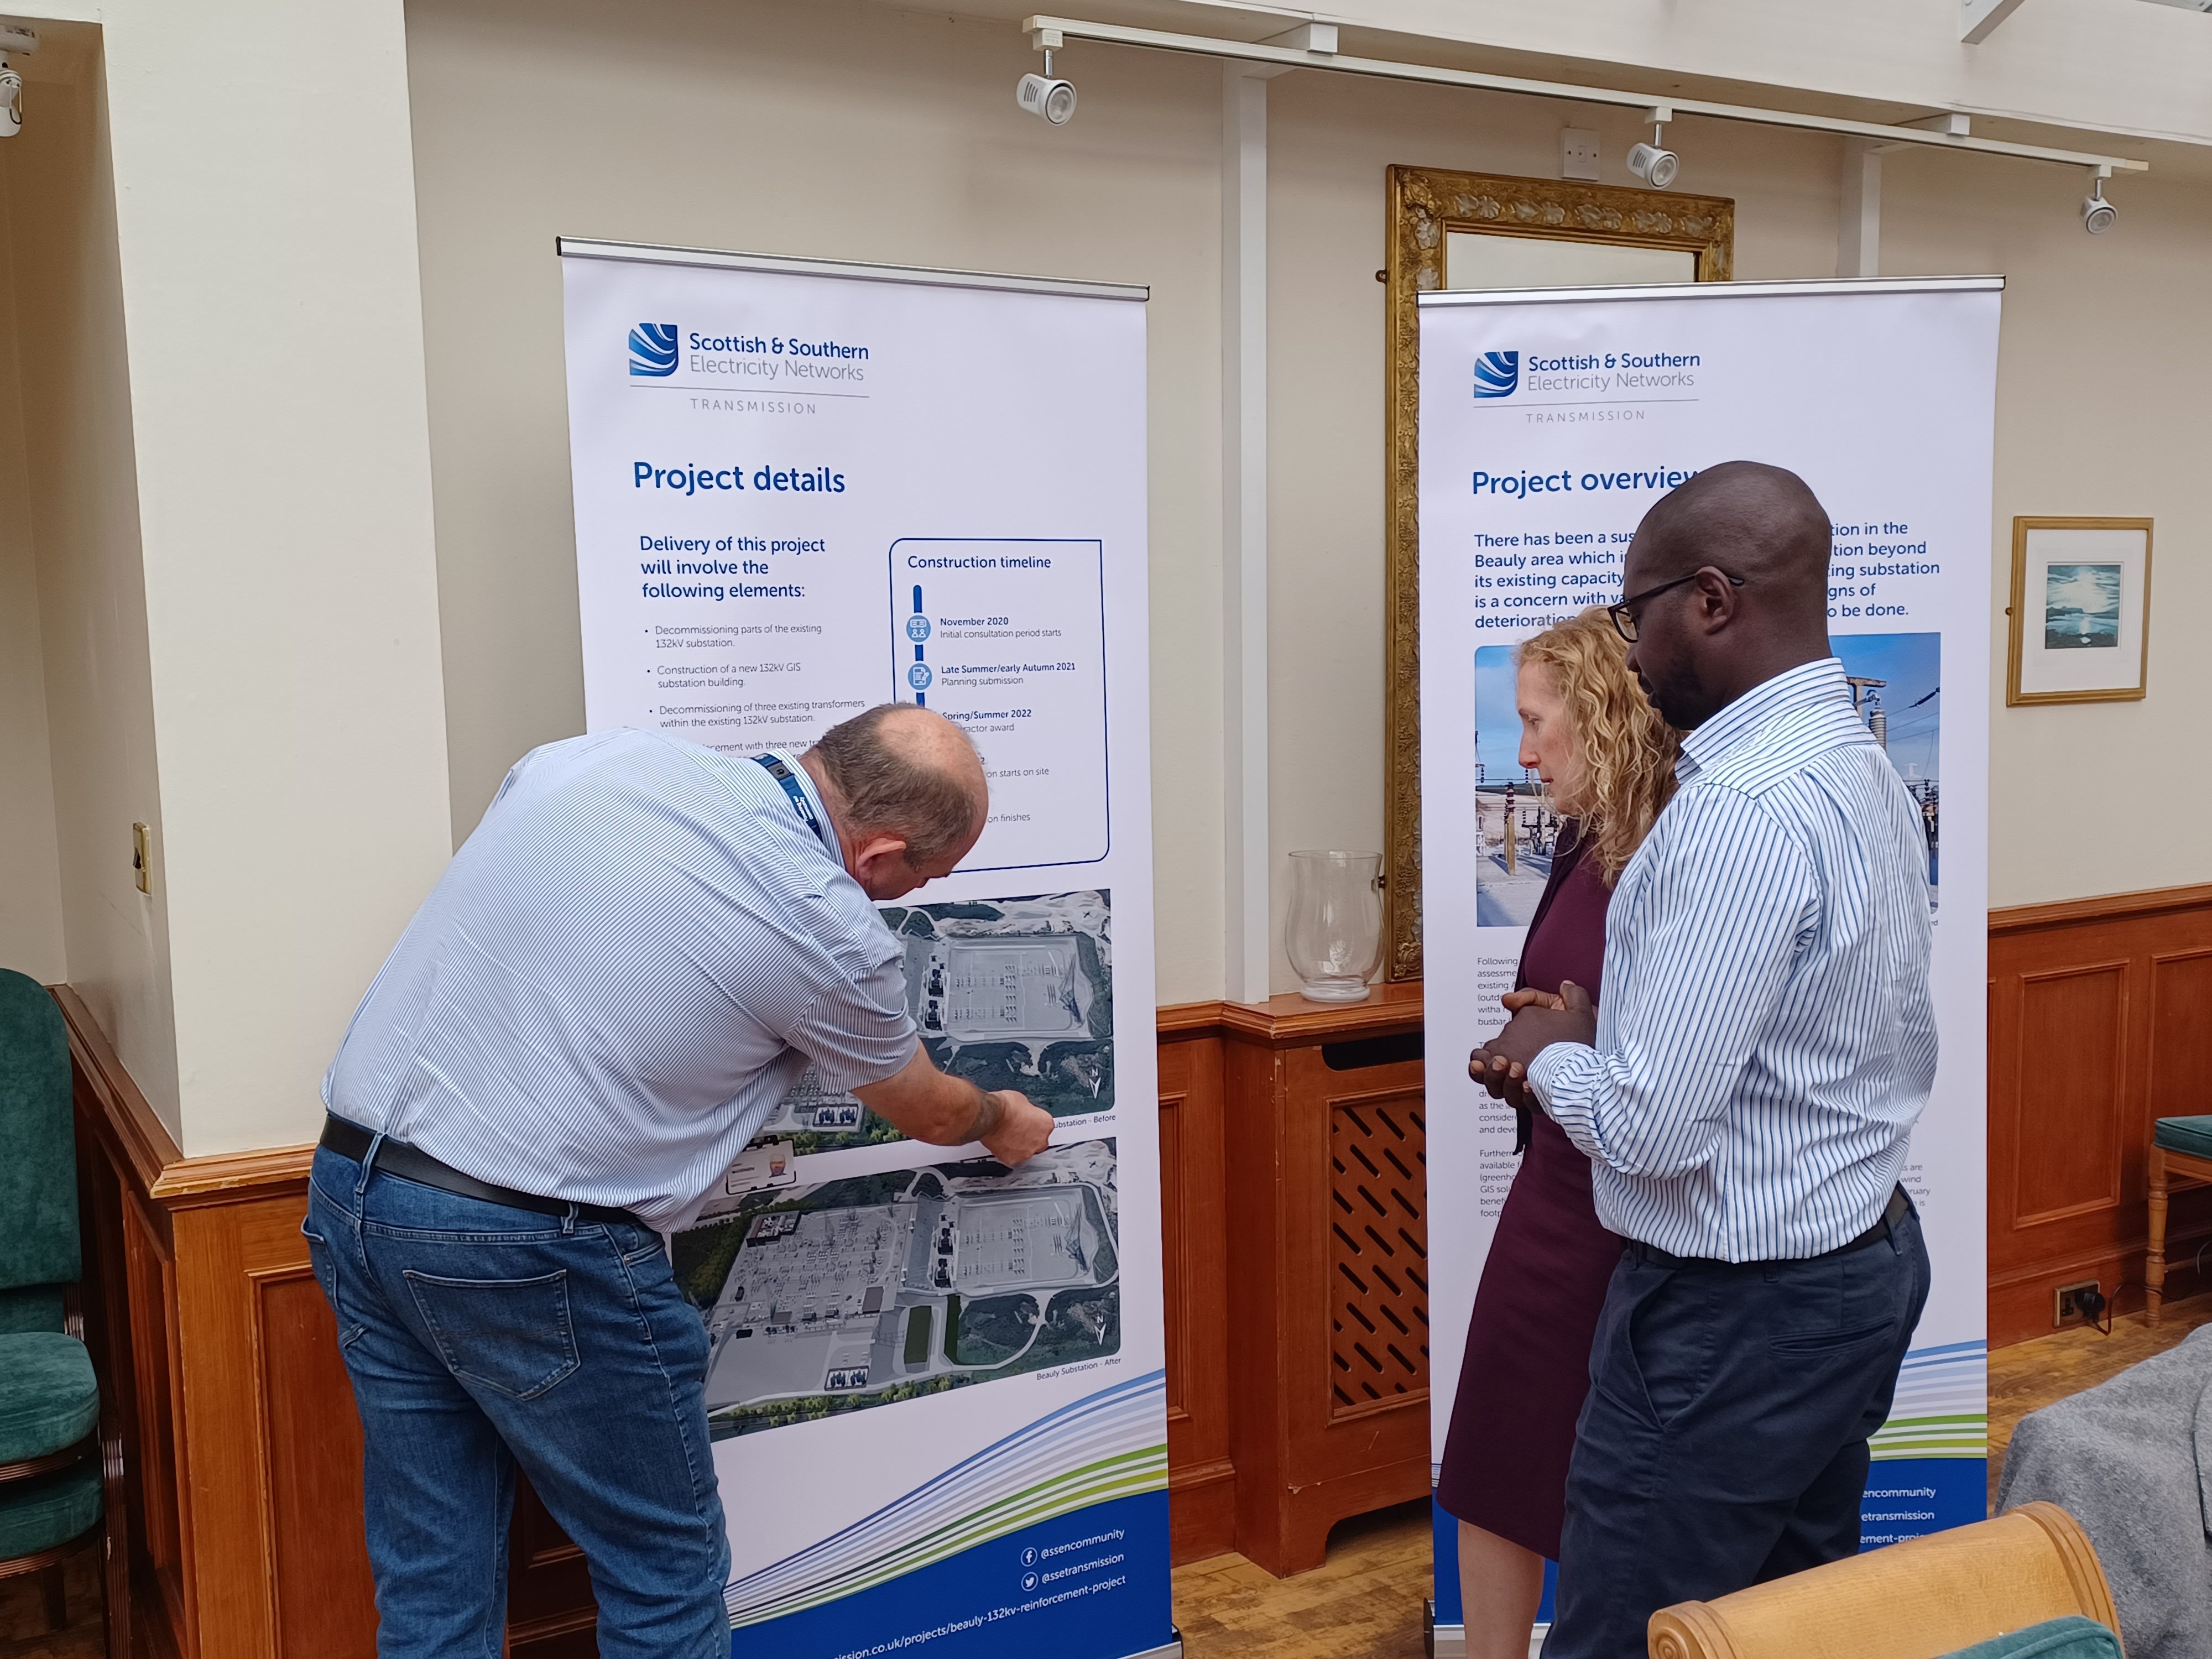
{"x": 2029, "y": 1376}
{"x": 1365, "y": 1603}
{"x": 23, "y": 1632}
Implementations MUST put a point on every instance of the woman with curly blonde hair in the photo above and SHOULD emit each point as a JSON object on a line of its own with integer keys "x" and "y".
{"x": 1608, "y": 763}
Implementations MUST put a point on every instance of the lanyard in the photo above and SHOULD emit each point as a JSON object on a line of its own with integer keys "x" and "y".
{"x": 782, "y": 774}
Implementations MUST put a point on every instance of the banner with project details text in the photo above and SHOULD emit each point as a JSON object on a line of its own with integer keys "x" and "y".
{"x": 936, "y": 1390}
{"x": 1550, "y": 422}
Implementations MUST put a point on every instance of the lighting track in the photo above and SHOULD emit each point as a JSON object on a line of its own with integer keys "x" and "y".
{"x": 1056, "y": 30}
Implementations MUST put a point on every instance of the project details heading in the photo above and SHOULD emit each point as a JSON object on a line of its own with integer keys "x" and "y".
{"x": 690, "y": 480}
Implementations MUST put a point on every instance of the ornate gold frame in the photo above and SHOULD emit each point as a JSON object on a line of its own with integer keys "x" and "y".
{"x": 1425, "y": 204}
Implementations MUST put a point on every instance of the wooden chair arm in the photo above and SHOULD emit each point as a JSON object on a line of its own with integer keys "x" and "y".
{"x": 1918, "y": 1600}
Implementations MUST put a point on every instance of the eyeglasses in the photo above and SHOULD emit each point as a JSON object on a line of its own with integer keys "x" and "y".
{"x": 1624, "y": 614}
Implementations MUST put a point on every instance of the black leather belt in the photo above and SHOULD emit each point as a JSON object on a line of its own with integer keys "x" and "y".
{"x": 396, "y": 1157}
{"x": 1899, "y": 1206}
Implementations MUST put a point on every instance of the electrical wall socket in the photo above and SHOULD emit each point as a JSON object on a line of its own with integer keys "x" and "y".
{"x": 2065, "y": 1301}
{"x": 1577, "y": 153}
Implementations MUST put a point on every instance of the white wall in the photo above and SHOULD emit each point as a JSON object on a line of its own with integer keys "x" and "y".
{"x": 30, "y": 859}
{"x": 230, "y": 442}
{"x": 2120, "y": 66}
{"x": 81, "y": 518}
{"x": 832, "y": 130}
{"x": 869, "y": 133}
{"x": 2100, "y": 391}
{"x": 267, "y": 223}
{"x": 2102, "y": 356}
{"x": 227, "y": 468}
{"x": 1331, "y": 138}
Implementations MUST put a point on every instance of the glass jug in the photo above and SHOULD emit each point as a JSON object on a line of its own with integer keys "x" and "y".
{"x": 1335, "y": 935}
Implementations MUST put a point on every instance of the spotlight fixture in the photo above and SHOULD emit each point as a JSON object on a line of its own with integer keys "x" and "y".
{"x": 1648, "y": 162}
{"x": 15, "y": 37}
{"x": 1041, "y": 95}
{"x": 2098, "y": 214}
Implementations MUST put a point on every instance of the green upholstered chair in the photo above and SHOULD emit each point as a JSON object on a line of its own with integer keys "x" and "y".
{"x": 2180, "y": 1155}
{"x": 2070, "y": 1637}
{"x": 51, "y": 1465}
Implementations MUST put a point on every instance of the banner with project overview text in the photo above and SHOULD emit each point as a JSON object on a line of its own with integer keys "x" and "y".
{"x": 1550, "y": 422}
{"x": 936, "y": 1391}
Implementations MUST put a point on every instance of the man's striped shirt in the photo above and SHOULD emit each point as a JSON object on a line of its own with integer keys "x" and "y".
{"x": 621, "y": 972}
{"x": 1768, "y": 1037}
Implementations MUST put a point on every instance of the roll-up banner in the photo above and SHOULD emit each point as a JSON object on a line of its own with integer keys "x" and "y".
{"x": 936, "y": 1392}
{"x": 1550, "y": 421}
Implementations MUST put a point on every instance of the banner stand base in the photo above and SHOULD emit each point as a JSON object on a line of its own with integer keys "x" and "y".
{"x": 1172, "y": 1649}
{"x": 1450, "y": 1641}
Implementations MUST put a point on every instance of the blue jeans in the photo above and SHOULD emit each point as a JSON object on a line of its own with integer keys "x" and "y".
{"x": 479, "y": 1337}
{"x": 1724, "y": 1442}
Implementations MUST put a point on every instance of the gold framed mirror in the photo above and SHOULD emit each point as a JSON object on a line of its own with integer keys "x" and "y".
{"x": 1477, "y": 230}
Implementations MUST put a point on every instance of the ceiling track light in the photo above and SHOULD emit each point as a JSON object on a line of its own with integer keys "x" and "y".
{"x": 2097, "y": 214}
{"x": 15, "y": 37}
{"x": 1040, "y": 94}
{"x": 1650, "y": 162}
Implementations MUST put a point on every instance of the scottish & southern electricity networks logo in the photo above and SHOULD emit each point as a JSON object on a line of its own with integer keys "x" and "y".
{"x": 1496, "y": 374}
{"x": 652, "y": 349}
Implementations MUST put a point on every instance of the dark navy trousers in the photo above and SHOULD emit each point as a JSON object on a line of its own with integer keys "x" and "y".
{"x": 1724, "y": 1440}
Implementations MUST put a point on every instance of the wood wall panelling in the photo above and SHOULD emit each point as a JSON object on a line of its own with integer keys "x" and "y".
{"x": 240, "y": 1448}
{"x": 325, "y": 1599}
{"x": 1194, "y": 1252}
{"x": 2056, "y": 1175}
{"x": 2101, "y": 1023}
{"x": 129, "y": 1293}
{"x": 1305, "y": 1459}
{"x": 164, "y": 1514}
{"x": 551, "y": 1612}
{"x": 103, "y": 1293}
{"x": 2181, "y": 1033}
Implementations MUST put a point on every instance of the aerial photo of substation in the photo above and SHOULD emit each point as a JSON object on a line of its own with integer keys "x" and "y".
{"x": 1010, "y": 992}
{"x": 862, "y": 1291}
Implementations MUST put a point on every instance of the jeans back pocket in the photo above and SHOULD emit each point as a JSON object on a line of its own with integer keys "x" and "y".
{"x": 513, "y": 1336}
{"x": 324, "y": 1261}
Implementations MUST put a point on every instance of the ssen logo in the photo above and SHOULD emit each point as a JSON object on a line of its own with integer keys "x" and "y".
{"x": 652, "y": 349}
{"x": 1496, "y": 374}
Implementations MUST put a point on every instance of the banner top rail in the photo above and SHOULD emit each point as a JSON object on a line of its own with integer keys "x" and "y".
{"x": 583, "y": 247}
{"x": 1510, "y": 296}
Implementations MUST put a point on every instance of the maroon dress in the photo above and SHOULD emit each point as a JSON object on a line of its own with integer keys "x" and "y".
{"x": 1527, "y": 1368}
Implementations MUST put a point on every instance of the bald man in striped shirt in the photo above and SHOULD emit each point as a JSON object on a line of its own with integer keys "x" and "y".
{"x": 1747, "y": 1094}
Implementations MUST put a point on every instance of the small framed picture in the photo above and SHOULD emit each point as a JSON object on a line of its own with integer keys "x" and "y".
{"x": 2081, "y": 610}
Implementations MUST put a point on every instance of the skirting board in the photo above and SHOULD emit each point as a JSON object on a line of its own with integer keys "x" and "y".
{"x": 1450, "y": 1641}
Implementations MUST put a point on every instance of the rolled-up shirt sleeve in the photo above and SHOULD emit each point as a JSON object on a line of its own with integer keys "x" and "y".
{"x": 857, "y": 1029}
{"x": 1717, "y": 922}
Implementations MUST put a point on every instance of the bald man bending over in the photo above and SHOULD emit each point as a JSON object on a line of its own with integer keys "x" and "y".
{"x": 1747, "y": 1091}
{"x": 630, "y": 962}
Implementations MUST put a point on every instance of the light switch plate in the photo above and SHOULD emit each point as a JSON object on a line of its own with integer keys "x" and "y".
{"x": 1577, "y": 153}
